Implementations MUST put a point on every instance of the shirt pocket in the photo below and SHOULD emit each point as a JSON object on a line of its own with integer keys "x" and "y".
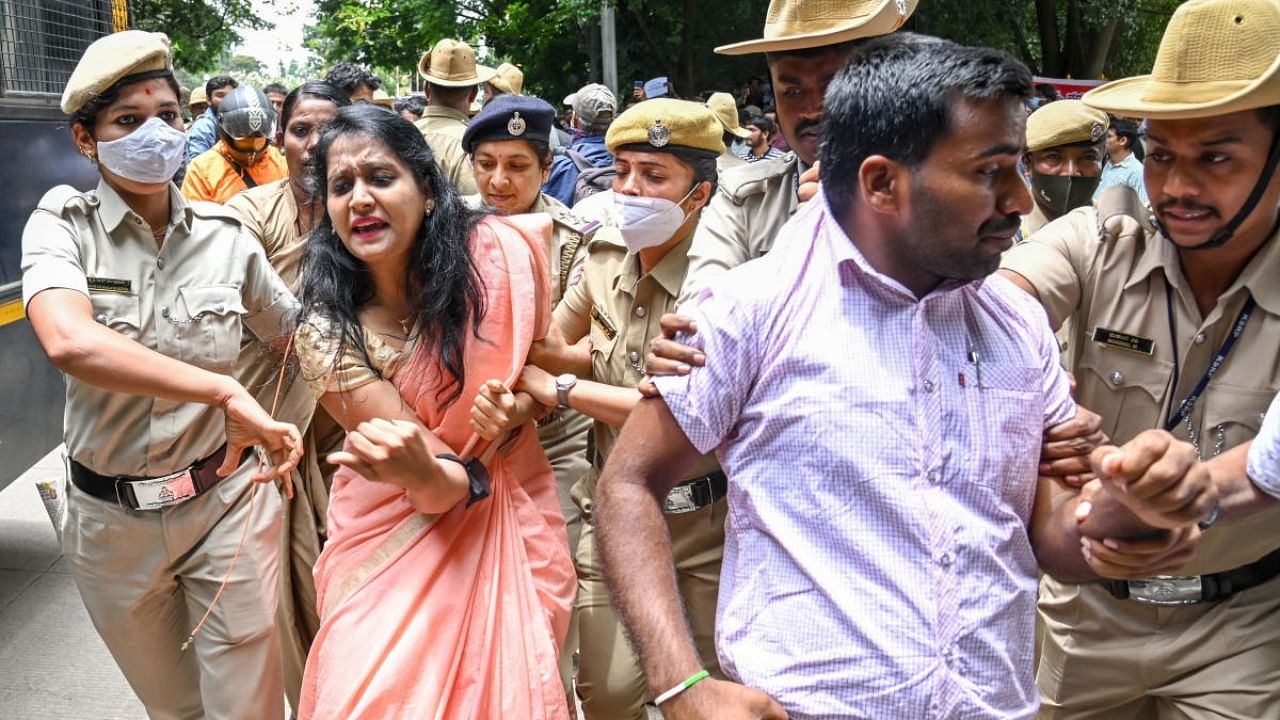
{"x": 603, "y": 343}
{"x": 1126, "y": 389}
{"x": 121, "y": 313}
{"x": 215, "y": 325}
{"x": 1006, "y": 424}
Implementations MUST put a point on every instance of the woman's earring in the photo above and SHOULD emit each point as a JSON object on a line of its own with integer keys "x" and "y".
{"x": 430, "y": 206}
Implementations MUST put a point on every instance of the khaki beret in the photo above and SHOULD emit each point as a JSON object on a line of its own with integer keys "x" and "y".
{"x": 111, "y": 58}
{"x": 666, "y": 123}
{"x": 1064, "y": 122}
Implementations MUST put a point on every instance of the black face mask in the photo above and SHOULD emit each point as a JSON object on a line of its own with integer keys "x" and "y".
{"x": 1058, "y": 195}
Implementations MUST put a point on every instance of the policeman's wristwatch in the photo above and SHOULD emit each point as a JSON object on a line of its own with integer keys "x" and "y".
{"x": 564, "y": 383}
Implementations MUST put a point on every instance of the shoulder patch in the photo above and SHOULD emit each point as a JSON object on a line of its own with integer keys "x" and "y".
{"x": 745, "y": 181}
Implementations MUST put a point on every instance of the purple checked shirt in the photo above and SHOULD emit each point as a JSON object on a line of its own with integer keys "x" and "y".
{"x": 882, "y": 456}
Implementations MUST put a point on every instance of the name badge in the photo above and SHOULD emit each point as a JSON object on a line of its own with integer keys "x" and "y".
{"x": 111, "y": 285}
{"x": 1124, "y": 341}
{"x": 162, "y": 492}
{"x": 606, "y": 325}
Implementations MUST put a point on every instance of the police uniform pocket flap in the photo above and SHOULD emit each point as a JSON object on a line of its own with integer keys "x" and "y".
{"x": 116, "y": 311}
{"x": 212, "y": 299}
{"x": 1118, "y": 370}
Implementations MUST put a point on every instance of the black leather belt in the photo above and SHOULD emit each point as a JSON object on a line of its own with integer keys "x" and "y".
{"x": 120, "y": 488}
{"x": 697, "y": 493}
{"x": 1198, "y": 588}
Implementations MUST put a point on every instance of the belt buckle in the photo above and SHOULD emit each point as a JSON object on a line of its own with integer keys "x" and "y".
{"x": 162, "y": 492}
{"x": 1168, "y": 590}
{"x": 681, "y": 499}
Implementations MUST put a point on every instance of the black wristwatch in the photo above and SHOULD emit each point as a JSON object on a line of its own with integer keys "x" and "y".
{"x": 478, "y": 484}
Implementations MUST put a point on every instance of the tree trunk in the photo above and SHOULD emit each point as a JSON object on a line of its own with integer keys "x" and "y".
{"x": 1050, "y": 48}
{"x": 1100, "y": 50}
{"x": 1020, "y": 38}
{"x": 687, "y": 77}
{"x": 1074, "y": 49}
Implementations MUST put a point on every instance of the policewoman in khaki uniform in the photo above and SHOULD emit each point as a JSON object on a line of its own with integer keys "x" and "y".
{"x": 141, "y": 299}
{"x": 511, "y": 158}
{"x": 666, "y": 154}
{"x": 1178, "y": 329}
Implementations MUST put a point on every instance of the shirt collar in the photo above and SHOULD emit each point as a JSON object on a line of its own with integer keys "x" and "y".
{"x": 440, "y": 111}
{"x": 112, "y": 208}
{"x": 1257, "y": 277}
{"x": 669, "y": 272}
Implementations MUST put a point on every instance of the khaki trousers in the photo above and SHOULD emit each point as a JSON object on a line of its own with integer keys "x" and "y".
{"x": 611, "y": 682}
{"x": 564, "y": 440}
{"x": 1108, "y": 659}
{"x": 147, "y": 578}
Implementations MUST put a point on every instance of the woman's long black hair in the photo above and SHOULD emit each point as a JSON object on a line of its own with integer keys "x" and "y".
{"x": 443, "y": 285}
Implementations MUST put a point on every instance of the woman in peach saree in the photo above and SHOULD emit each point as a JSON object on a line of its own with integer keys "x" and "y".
{"x": 436, "y": 601}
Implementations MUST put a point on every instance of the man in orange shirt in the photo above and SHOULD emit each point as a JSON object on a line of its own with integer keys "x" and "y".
{"x": 243, "y": 157}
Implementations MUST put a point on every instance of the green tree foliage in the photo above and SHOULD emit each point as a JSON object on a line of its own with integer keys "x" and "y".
{"x": 557, "y": 42}
{"x": 202, "y": 31}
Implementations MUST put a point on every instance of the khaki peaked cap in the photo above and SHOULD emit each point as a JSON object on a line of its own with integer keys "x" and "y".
{"x": 1064, "y": 122}
{"x": 665, "y": 123}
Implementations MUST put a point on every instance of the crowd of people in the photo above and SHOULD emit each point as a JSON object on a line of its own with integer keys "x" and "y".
{"x": 528, "y": 420}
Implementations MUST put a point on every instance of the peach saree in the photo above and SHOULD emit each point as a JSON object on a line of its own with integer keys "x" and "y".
{"x": 460, "y": 615}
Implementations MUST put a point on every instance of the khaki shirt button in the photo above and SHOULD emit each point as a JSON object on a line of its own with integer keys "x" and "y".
{"x": 219, "y": 308}
{"x": 1200, "y": 338}
{"x": 640, "y": 312}
{"x": 138, "y": 220}
{"x": 1117, "y": 378}
{"x": 160, "y": 263}
{"x": 102, "y": 319}
{"x": 634, "y": 357}
{"x": 164, "y": 311}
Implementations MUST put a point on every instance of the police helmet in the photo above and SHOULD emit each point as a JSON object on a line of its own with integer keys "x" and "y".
{"x": 246, "y": 112}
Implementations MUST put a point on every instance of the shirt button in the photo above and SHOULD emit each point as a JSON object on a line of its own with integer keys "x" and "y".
{"x": 137, "y": 221}
{"x": 164, "y": 311}
{"x": 949, "y": 656}
{"x": 1200, "y": 338}
{"x": 219, "y": 308}
{"x": 1117, "y": 378}
{"x": 641, "y": 312}
{"x": 928, "y": 386}
{"x": 102, "y": 319}
{"x": 934, "y": 477}
{"x": 945, "y": 560}
{"x": 634, "y": 357}
{"x": 160, "y": 263}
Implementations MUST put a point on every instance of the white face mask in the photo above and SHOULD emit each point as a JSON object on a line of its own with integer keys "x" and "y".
{"x": 647, "y": 222}
{"x": 151, "y": 154}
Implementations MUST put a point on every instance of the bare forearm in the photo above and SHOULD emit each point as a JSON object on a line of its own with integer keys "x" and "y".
{"x": 639, "y": 569}
{"x": 1238, "y": 496}
{"x": 1057, "y": 538}
{"x": 607, "y": 403}
{"x": 104, "y": 358}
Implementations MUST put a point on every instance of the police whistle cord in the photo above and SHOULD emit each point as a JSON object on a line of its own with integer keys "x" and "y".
{"x": 253, "y": 495}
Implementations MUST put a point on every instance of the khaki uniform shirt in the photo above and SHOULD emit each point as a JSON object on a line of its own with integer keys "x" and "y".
{"x": 188, "y": 300}
{"x": 270, "y": 214}
{"x": 619, "y": 308}
{"x": 727, "y": 161}
{"x": 442, "y": 128}
{"x": 1119, "y": 284}
{"x": 1033, "y": 221}
{"x": 750, "y": 206}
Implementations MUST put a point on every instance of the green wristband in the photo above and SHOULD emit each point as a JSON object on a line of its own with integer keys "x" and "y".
{"x": 692, "y": 680}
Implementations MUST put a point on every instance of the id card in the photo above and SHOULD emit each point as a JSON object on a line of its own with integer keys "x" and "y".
{"x": 164, "y": 492}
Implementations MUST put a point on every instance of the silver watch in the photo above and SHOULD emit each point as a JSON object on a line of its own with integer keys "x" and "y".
{"x": 564, "y": 383}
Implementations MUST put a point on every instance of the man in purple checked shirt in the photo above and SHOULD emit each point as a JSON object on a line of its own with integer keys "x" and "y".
{"x": 878, "y": 399}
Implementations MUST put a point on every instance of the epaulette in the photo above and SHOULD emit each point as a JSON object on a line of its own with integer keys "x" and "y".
{"x": 59, "y": 197}
{"x": 606, "y": 238}
{"x": 741, "y": 183}
{"x": 213, "y": 211}
{"x": 1121, "y": 213}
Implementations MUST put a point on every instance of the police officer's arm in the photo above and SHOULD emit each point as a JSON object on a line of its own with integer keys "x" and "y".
{"x": 563, "y": 350}
{"x": 1053, "y": 264}
{"x": 386, "y": 442}
{"x": 1248, "y": 476}
{"x": 610, "y": 404}
{"x": 92, "y": 353}
{"x": 719, "y": 244}
{"x": 651, "y": 455}
{"x": 271, "y": 307}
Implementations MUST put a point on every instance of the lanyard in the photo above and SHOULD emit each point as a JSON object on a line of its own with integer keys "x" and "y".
{"x": 1187, "y": 405}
